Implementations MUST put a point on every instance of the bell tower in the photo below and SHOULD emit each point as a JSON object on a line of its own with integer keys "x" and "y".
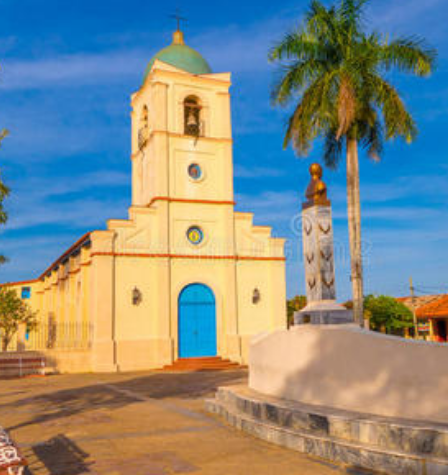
{"x": 181, "y": 130}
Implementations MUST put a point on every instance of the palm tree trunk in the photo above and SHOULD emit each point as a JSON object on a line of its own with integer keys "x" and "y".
{"x": 359, "y": 260}
{"x": 354, "y": 229}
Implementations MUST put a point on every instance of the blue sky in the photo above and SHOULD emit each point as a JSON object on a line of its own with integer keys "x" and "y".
{"x": 68, "y": 69}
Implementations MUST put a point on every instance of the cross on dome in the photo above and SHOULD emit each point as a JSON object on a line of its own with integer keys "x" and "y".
{"x": 177, "y": 16}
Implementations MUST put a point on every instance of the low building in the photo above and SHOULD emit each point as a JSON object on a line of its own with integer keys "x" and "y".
{"x": 432, "y": 315}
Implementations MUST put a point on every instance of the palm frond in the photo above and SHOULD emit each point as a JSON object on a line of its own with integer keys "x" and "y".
{"x": 311, "y": 116}
{"x": 3, "y": 215}
{"x": 335, "y": 70}
{"x": 297, "y": 45}
{"x": 373, "y": 140}
{"x": 333, "y": 149}
{"x": 410, "y": 54}
{"x": 4, "y": 191}
{"x": 294, "y": 78}
{"x": 352, "y": 12}
{"x": 398, "y": 122}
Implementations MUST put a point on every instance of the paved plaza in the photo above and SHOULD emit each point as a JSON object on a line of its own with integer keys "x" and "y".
{"x": 139, "y": 424}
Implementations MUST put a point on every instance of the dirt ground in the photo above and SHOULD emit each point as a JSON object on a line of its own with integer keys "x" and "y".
{"x": 138, "y": 424}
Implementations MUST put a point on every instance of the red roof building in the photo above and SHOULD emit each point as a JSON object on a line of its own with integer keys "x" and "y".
{"x": 432, "y": 314}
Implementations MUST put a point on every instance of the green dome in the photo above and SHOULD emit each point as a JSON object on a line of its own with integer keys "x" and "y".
{"x": 180, "y": 56}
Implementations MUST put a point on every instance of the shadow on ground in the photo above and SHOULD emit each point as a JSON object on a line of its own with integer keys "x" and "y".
{"x": 61, "y": 456}
{"x": 94, "y": 402}
{"x": 63, "y": 404}
{"x": 57, "y": 456}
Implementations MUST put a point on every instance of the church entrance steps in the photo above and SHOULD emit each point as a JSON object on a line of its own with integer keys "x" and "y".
{"x": 392, "y": 446}
{"x": 213, "y": 363}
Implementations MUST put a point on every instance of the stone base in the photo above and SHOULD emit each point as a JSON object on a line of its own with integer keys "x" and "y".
{"x": 325, "y": 312}
{"x": 389, "y": 445}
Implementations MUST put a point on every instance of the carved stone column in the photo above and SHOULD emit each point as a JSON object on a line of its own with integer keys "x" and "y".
{"x": 318, "y": 256}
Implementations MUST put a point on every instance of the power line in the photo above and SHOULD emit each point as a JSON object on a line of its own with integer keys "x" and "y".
{"x": 429, "y": 290}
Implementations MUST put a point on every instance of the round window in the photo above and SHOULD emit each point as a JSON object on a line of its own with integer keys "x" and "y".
{"x": 195, "y": 171}
{"x": 195, "y": 235}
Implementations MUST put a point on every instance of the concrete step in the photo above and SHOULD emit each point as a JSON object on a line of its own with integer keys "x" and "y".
{"x": 311, "y": 431}
{"x": 198, "y": 361}
{"x": 14, "y": 372}
{"x": 201, "y": 359}
{"x": 409, "y": 436}
{"x": 211, "y": 366}
{"x": 11, "y": 367}
{"x": 201, "y": 364}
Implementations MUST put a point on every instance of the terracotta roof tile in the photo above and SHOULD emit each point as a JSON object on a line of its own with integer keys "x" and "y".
{"x": 435, "y": 308}
{"x": 420, "y": 301}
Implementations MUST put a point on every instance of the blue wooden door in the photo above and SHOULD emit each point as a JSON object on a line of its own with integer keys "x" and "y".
{"x": 197, "y": 322}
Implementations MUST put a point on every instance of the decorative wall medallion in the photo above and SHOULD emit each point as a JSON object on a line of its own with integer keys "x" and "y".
{"x": 195, "y": 235}
{"x": 325, "y": 228}
{"x": 310, "y": 258}
{"x": 326, "y": 257}
{"x": 195, "y": 171}
{"x": 312, "y": 283}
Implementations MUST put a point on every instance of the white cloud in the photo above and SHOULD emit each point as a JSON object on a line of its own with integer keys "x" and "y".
{"x": 257, "y": 172}
{"x": 235, "y": 48}
{"x": 243, "y": 49}
{"x": 75, "y": 214}
{"x": 37, "y": 201}
{"x": 72, "y": 70}
{"x": 44, "y": 186}
{"x": 405, "y": 13}
{"x": 31, "y": 255}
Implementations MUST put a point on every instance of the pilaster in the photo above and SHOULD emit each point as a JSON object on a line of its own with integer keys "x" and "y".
{"x": 102, "y": 301}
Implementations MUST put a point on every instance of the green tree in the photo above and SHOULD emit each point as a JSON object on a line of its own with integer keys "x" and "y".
{"x": 294, "y": 305}
{"x": 336, "y": 72}
{"x": 387, "y": 313}
{"x": 13, "y": 313}
{"x": 4, "y": 192}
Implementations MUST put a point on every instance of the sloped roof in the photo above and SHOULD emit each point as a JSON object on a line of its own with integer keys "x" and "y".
{"x": 434, "y": 309}
{"x": 417, "y": 302}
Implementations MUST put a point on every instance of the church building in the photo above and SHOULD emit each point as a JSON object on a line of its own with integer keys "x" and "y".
{"x": 185, "y": 275}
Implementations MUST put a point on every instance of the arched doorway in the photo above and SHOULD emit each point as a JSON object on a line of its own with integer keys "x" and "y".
{"x": 197, "y": 322}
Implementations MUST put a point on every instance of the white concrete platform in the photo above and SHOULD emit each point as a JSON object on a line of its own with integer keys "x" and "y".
{"x": 389, "y": 445}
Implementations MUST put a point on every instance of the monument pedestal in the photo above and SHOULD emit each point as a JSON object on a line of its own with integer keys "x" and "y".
{"x": 325, "y": 312}
{"x": 318, "y": 256}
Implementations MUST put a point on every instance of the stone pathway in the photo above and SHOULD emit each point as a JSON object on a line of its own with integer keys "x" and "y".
{"x": 139, "y": 424}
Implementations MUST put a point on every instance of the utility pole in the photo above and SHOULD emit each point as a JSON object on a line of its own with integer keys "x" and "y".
{"x": 411, "y": 286}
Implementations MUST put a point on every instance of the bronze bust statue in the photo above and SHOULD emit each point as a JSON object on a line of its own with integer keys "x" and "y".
{"x": 316, "y": 193}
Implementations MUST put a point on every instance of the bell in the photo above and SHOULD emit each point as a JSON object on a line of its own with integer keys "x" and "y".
{"x": 191, "y": 119}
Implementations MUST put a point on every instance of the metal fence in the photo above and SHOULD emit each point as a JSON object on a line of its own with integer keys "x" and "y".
{"x": 55, "y": 336}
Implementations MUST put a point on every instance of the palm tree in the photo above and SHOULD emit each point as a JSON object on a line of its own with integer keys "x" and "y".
{"x": 337, "y": 72}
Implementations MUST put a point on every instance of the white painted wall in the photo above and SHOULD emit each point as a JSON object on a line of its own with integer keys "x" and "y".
{"x": 345, "y": 367}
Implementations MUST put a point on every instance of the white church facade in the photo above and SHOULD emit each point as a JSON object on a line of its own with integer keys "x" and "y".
{"x": 185, "y": 275}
